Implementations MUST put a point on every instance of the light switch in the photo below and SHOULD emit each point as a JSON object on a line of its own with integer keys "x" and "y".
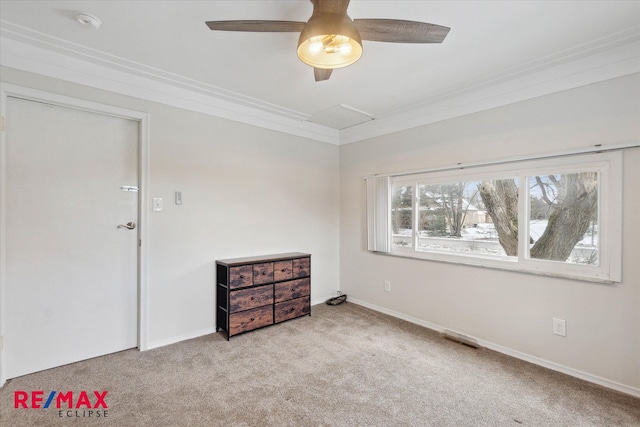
{"x": 178, "y": 197}
{"x": 157, "y": 204}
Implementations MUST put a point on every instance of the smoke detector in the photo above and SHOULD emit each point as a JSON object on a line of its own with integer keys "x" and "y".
{"x": 89, "y": 20}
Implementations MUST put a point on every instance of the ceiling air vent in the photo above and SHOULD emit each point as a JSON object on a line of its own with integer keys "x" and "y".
{"x": 340, "y": 117}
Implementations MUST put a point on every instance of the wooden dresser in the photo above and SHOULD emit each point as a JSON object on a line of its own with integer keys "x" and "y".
{"x": 254, "y": 292}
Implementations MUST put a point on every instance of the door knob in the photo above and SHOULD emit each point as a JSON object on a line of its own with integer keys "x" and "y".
{"x": 130, "y": 225}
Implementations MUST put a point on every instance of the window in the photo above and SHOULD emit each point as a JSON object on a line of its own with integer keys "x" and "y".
{"x": 560, "y": 216}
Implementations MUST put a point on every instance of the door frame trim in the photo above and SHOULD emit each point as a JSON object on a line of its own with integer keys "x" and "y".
{"x": 14, "y": 91}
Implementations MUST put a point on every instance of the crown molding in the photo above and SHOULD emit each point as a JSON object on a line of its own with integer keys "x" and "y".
{"x": 31, "y": 51}
{"x": 614, "y": 56}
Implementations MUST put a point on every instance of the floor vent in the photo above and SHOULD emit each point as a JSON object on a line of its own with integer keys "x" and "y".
{"x": 460, "y": 339}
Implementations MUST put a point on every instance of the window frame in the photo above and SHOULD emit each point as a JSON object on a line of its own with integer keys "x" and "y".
{"x": 608, "y": 166}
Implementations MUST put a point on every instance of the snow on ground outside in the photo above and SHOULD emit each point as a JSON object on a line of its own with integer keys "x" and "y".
{"x": 488, "y": 232}
{"x": 483, "y": 240}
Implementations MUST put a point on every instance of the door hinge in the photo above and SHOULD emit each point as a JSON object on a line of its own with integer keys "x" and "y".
{"x": 2, "y": 125}
{"x": 139, "y": 242}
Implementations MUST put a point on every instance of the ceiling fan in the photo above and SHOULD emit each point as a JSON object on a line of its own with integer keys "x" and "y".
{"x": 331, "y": 39}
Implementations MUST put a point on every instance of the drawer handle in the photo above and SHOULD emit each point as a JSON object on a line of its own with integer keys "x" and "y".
{"x": 253, "y": 318}
{"x": 253, "y": 298}
{"x": 293, "y": 309}
{"x": 284, "y": 270}
{"x": 293, "y": 289}
{"x": 264, "y": 273}
{"x": 242, "y": 276}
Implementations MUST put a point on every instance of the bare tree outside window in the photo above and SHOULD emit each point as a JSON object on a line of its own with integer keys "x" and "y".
{"x": 445, "y": 208}
{"x": 572, "y": 201}
{"x": 562, "y": 217}
{"x": 401, "y": 213}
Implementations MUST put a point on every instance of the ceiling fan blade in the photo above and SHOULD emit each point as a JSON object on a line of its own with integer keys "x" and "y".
{"x": 322, "y": 74}
{"x": 257, "y": 26}
{"x": 338, "y": 7}
{"x": 400, "y": 31}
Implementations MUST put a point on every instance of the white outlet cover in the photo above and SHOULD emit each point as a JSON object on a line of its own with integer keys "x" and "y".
{"x": 560, "y": 327}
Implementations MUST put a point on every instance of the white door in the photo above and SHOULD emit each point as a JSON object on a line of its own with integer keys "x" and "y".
{"x": 71, "y": 274}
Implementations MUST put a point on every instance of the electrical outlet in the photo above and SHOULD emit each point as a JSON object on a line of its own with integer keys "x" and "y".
{"x": 560, "y": 327}
{"x": 387, "y": 286}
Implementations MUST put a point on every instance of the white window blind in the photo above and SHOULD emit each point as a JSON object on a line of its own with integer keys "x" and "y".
{"x": 378, "y": 218}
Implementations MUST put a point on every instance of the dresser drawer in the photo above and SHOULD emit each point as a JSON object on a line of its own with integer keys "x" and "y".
{"x": 282, "y": 270}
{"x": 293, "y": 308}
{"x": 293, "y": 289}
{"x": 240, "y": 277}
{"x": 248, "y": 320}
{"x": 244, "y": 299}
{"x": 301, "y": 267}
{"x": 262, "y": 273}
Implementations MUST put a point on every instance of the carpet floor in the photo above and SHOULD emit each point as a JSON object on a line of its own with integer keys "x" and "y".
{"x": 342, "y": 366}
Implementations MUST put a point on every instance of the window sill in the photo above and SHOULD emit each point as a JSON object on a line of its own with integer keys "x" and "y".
{"x": 585, "y": 274}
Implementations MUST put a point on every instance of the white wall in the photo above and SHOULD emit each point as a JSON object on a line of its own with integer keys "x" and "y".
{"x": 246, "y": 191}
{"x": 513, "y": 311}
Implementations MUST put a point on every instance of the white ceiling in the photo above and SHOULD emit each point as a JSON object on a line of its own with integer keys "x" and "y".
{"x": 497, "y": 52}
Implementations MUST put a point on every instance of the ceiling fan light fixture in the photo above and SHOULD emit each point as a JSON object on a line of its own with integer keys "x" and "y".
{"x": 329, "y": 41}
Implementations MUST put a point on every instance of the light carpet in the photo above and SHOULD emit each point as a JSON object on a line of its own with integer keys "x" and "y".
{"x": 342, "y": 366}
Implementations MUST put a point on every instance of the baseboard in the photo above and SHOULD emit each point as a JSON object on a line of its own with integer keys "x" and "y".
{"x": 178, "y": 338}
{"x": 633, "y": 391}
